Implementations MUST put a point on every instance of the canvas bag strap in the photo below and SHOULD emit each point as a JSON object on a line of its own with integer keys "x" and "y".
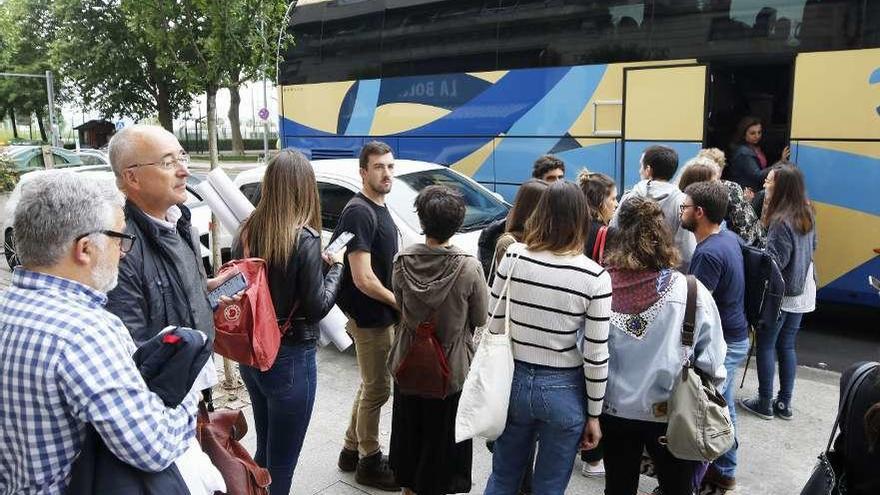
{"x": 855, "y": 382}
{"x": 688, "y": 326}
{"x": 505, "y": 295}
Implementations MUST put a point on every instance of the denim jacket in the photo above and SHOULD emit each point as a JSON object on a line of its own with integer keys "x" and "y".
{"x": 643, "y": 369}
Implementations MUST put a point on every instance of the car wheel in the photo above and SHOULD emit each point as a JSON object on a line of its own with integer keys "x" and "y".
{"x": 9, "y": 249}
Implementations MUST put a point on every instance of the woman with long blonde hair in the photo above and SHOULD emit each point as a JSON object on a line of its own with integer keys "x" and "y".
{"x": 285, "y": 230}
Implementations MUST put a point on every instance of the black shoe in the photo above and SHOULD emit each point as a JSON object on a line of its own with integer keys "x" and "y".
{"x": 374, "y": 471}
{"x": 348, "y": 460}
{"x": 782, "y": 410}
{"x": 715, "y": 478}
{"x": 757, "y": 406}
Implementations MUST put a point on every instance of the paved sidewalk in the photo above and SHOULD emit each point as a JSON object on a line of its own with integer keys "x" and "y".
{"x": 776, "y": 456}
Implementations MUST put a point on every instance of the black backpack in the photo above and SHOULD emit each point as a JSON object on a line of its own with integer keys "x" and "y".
{"x": 764, "y": 287}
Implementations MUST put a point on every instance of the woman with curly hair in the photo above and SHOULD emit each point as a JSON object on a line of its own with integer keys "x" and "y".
{"x": 647, "y": 313}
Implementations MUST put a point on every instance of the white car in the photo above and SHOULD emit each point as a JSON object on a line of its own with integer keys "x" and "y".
{"x": 339, "y": 180}
{"x": 90, "y": 156}
{"x": 201, "y": 215}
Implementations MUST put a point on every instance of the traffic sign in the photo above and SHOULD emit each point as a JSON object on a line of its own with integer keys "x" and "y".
{"x": 264, "y": 113}
{"x": 119, "y": 125}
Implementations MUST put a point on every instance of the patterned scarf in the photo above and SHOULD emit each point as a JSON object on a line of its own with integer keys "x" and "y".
{"x": 635, "y": 291}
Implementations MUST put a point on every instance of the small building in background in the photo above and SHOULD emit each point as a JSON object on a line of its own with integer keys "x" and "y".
{"x": 95, "y": 133}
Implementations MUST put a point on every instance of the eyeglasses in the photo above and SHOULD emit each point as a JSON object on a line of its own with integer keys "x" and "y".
{"x": 167, "y": 163}
{"x": 126, "y": 241}
{"x": 681, "y": 208}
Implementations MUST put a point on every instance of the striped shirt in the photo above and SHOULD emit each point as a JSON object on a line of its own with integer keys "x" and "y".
{"x": 66, "y": 362}
{"x": 560, "y": 308}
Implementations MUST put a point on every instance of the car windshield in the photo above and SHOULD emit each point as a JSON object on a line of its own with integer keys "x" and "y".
{"x": 481, "y": 207}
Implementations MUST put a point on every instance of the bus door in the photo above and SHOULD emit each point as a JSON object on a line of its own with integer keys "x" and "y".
{"x": 661, "y": 105}
{"x": 835, "y": 141}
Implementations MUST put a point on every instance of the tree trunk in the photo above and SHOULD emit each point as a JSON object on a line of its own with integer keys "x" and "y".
{"x": 42, "y": 127}
{"x": 14, "y": 123}
{"x": 166, "y": 119}
{"x": 234, "y": 120}
{"x": 213, "y": 155}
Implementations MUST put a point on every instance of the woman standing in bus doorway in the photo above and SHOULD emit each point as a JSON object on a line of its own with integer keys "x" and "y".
{"x": 791, "y": 240}
{"x": 557, "y": 390}
{"x": 285, "y": 230}
{"x": 748, "y": 162}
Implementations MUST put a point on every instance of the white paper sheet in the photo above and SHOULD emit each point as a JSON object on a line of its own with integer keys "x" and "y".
{"x": 236, "y": 202}
{"x": 333, "y": 330}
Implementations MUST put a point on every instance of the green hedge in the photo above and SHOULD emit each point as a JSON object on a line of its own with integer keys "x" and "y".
{"x": 201, "y": 145}
{"x": 8, "y": 174}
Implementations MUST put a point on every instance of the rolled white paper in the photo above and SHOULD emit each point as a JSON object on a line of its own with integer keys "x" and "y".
{"x": 333, "y": 329}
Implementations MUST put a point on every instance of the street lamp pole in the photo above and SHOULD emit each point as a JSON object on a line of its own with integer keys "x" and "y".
{"x": 265, "y": 100}
{"x": 50, "y": 92}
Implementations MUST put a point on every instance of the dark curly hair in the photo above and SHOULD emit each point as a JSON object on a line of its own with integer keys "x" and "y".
{"x": 545, "y": 164}
{"x": 641, "y": 240}
{"x": 441, "y": 211}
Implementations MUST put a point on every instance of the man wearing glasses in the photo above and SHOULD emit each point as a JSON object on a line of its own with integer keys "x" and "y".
{"x": 162, "y": 281}
{"x": 65, "y": 362}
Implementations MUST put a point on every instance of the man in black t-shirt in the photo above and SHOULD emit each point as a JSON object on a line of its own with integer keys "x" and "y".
{"x": 367, "y": 299}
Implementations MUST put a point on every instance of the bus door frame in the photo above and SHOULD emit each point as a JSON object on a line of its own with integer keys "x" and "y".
{"x": 623, "y": 140}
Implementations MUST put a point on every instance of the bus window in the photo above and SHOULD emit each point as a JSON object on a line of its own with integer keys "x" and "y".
{"x": 449, "y": 36}
{"x": 351, "y": 39}
{"x": 535, "y": 33}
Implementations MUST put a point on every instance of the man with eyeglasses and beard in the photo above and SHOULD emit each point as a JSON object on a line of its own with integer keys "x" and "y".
{"x": 65, "y": 362}
{"x": 162, "y": 281}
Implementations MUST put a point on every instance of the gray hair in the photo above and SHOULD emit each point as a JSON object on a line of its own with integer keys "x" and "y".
{"x": 122, "y": 144}
{"x": 55, "y": 208}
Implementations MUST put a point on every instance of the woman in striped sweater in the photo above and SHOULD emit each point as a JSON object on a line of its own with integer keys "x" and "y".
{"x": 557, "y": 391}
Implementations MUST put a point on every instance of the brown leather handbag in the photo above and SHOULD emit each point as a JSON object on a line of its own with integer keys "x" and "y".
{"x": 219, "y": 432}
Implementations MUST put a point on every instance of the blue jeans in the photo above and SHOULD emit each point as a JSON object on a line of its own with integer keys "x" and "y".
{"x": 547, "y": 406}
{"x": 282, "y": 398}
{"x": 736, "y": 355}
{"x": 778, "y": 342}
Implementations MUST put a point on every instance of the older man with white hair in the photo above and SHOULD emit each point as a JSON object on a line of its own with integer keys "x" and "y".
{"x": 162, "y": 281}
{"x": 65, "y": 362}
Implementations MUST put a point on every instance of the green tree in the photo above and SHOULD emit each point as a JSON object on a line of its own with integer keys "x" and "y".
{"x": 207, "y": 43}
{"x": 105, "y": 56}
{"x": 28, "y": 28}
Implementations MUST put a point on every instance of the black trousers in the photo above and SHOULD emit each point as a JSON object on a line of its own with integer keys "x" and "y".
{"x": 623, "y": 441}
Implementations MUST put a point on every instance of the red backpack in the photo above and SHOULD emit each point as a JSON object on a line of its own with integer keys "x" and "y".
{"x": 247, "y": 331}
{"x": 599, "y": 245}
{"x": 424, "y": 371}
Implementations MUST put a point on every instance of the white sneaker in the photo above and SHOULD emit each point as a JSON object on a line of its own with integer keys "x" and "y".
{"x": 597, "y": 471}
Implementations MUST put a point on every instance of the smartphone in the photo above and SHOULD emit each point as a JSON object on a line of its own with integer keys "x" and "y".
{"x": 230, "y": 287}
{"x": 339, "y": 243}
{"x": 874, "y": 281}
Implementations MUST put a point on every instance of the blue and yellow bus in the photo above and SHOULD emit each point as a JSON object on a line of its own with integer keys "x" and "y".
{"x": 486, "y": 86}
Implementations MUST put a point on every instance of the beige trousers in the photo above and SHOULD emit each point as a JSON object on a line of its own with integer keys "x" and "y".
{"x": 372, "y": 346}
